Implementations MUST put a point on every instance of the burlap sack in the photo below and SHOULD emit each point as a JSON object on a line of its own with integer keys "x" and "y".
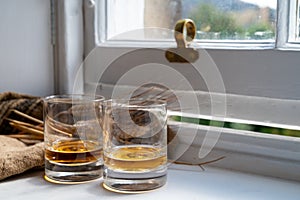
{"x": 16, "y": 157}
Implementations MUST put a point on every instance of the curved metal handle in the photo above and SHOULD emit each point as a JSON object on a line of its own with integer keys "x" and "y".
{"x": 185, "y": 32}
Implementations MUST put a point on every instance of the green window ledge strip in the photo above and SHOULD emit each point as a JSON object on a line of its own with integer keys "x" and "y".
{"x": 239, "y": 126}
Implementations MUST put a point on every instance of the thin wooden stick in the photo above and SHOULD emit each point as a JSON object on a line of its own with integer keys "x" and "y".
{"x": 31, "y": 137}
{"x": 144, "y": 92}
{"x": 60, "y": 131}
{"x": 26, "y": 129}
{"x": 39, "y": 126}
{"x": 30, "y": 141}
{"x": 27, "y": 116}
{"x": 200, "y": 164}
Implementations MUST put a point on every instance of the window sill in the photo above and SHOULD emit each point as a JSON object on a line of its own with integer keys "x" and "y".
{"x": 209, "y": 45}
{"x": 289, "y": 46}
{"x": 225, "y": 45}
{"x": 246, "y": 151}
{"x": 186, "y": 182}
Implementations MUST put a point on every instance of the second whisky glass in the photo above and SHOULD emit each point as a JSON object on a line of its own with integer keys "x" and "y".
{"x": 134, "y": 145}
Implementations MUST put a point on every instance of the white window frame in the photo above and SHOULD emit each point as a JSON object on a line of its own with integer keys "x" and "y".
{"x": 286, "y": 26}
{"x": 284, "y": 32}
{"x": 246, "y": 151}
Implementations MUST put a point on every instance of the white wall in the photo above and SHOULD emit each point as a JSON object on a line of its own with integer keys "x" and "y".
{"x": 25, "y": 47}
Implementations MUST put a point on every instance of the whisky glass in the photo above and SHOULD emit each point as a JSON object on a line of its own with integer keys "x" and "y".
{"x": 134, "y": 145}
{"x": 73, "y": 138}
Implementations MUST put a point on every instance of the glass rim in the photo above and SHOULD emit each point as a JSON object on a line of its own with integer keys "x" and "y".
{"x": 126, "y": 102}
{"x": 66, "y": 98}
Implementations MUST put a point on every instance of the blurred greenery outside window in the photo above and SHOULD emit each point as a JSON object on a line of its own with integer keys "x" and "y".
{"x": 215, "y": 19}
{"x": 236, "y": 21}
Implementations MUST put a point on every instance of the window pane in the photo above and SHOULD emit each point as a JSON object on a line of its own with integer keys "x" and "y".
{"x": 215, "y": 19}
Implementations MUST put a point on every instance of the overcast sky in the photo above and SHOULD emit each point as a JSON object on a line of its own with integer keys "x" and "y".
{"x": 263, "y": 3}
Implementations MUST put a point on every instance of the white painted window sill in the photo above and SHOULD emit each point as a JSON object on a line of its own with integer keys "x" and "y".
{"x": 184, "y": 182}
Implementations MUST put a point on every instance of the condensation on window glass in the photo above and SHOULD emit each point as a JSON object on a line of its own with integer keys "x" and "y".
{"x": 215, "y": 19}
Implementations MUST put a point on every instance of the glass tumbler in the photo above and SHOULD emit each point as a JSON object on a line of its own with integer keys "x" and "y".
{"x": 73, "y": 138}
{"x": 134, "y": 145}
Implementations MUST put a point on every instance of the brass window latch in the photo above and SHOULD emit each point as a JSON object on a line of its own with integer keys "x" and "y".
{"x": 185, "y": 32}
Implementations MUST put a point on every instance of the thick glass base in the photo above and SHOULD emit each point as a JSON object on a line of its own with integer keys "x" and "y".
{"x": 123, "y": 182}
{"x": 72, "y": 174}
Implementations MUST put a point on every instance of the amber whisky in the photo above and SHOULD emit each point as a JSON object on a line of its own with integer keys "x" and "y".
{"x": 137, "y": 158}
{"x": 73, "y": 152}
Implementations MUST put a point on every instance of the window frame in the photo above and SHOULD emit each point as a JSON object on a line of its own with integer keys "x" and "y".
{"x": 286, "y": 23}
{"x": 283, "y": 40}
